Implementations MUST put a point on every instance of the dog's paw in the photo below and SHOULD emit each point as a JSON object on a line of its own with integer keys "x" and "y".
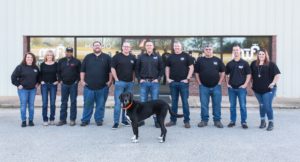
{"x": 161, "y": 141}
{"x": 159, "y": 138}
{"x": 135, "y": 141}
{"x": 133, "y": 137}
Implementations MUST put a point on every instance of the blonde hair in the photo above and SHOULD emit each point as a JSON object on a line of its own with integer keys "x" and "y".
{"x": 267, "y": 57}
{"x": 51, "y": 53}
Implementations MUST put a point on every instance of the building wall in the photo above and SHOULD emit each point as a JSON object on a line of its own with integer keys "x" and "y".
{"x": 152, "y": 17}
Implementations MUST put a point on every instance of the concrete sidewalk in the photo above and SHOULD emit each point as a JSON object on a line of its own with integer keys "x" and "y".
{"x": 279, "y": 102}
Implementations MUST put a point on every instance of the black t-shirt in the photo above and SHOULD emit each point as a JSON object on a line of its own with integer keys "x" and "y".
{"x": 25, "y": 75}
{"x": 124, "y": 66}
{"x": 96, "y": 69}
{"x": 48, "y": 72}
{"x": 263, "y": 76}
{"x": 237, "y": 71}
{"x": 209, "y": 69}
{"x": 149, "y": 66}
{"x": 179, "y": 66}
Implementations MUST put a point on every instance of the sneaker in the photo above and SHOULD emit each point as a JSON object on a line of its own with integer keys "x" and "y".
{"x": 244, "y": 126}
{"x": 270, "y": 126}
{"x": 202, "y": 124}
{"x": 52, "y": 122}
{"x": 60, "y": 123}
{"x": 141, "y": 123}
{"x": 218, "y": 124}
{"x": 23, "y": 124}
{"x": 187, "y": 125}
{"x": 72, "y": 123}
{"x": 156, "y": 124}
{"x": 126, "y": 124}
{"x": 115, "y": 126}
{"x": 45, "y": 123}
{"x": 99, "y": 123}
{"x": 83, "y": 124}
{"x": 231, "y": 124}
{"x": 262, "y": 124}
{"x": 30, "y": 123}
{"x": 170, "y": 124}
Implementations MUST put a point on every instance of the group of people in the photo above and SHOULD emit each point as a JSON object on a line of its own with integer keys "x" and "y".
{"x": 98, "y": 71}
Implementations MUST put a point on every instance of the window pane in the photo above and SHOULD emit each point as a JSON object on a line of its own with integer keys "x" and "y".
{"x": 248, "y": 47}
{"x": 110, "y": 45}
{"x": 39, "y": 46}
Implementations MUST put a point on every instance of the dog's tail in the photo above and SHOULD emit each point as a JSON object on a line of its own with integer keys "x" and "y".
{"x": 174, "y": 114}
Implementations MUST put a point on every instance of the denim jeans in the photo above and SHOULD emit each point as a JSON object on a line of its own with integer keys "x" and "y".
{"x": 48, "y": 89}
{"x": 90, "y": 97}
{"x": 265, "y": 104}
{"x": 66, "y": 91}
{"x": 147, "y": 88}
{"x": 120, "y": 87}
{"x": 27, "y": 97}
{"x": 216, "y": 95}
{"x": 181, "y": 88}
{"x": 241, "y": 94}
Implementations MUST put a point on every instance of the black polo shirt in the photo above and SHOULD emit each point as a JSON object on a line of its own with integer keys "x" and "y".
{"x": 149, "y": 66}
{"x": 68, "y": 70}
{"x": 96, "y": 69}
{"x": 124, "y": 66}
{"x": 237, "y": 71}
{"x": 179, "y": 66}
{"x": 263, "y": 76}
{"x": 209, "y": 69}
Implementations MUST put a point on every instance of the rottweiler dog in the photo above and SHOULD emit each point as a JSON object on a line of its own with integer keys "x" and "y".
{"x": 138, "y": 111}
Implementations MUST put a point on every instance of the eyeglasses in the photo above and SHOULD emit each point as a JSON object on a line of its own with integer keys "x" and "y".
{"x": 208, "y": 49}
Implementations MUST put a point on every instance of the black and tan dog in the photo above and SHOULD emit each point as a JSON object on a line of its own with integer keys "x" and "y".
{"x": 137, "y": 111}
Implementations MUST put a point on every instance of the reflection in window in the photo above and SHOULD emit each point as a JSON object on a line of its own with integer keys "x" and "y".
{"x": 110, "y": 45}
{"x": 40, "y": 45}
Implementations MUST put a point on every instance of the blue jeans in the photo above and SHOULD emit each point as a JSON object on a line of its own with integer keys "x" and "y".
{"x": 181, "y": 88}
{"x": 120, "y": 87}
{"x": 66, "y": 91}
{"x": 265, "y": 104}
{"x": 27, "y": 98}
{"x": 147, "y": 88}
{"x": 90, "y": 97}
{"x": 45, "y": 90}
{"x": 241, "y": 94}
{"x": 216, "y": 95}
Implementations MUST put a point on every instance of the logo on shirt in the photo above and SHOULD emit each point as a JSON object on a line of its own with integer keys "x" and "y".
{"x": 215, "y": 63}
{"x": 182, "y": 58}
{"x": 155, "y": 57}
{"x": 35, "y": 70}
{"x": 241, "y": 66}
{"x": 132, "y": 61}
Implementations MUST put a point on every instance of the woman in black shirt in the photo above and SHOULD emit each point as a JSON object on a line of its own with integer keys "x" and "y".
{"x": 25, "y": 77}
{"x": 265, "y": 75}
{"x": 49, "y": 86}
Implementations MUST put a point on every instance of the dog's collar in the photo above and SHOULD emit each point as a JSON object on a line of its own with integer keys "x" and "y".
{"x": 128, "y": 107}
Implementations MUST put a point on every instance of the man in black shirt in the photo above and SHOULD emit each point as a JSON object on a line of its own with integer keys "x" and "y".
{"x": 238, "y": 76}
{"x": 122, "y": 69}
{"x": 68, "y": 73}
{"x": 149, "y": 70}
{"x": 209, "y": 75}
{"x": 179, "y": 81}
{"x": 96, "y": 78}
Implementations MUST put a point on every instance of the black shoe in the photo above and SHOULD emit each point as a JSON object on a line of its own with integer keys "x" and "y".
{"x": 157, "y": 125}
{"x": 262, "y": 124}
{"x": 30, "y": 123}
{"x": 141, "y": 123}
{"x": 126, "y": 124}
{"x": 218, "y": 124}
{"x": 202, "y": 124}
{"x": 83, "y": 124}
{"x": 270, "y": 126}
{"x": 187, "y": 125}
{"x": 60, "y": 123}
{"x": 99, "y": 123}
{"x": 231, "y": 124}
{"x": 23, "y": 124}
{"x": 115, "y": 126}
{"x": 244, "y": 126}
